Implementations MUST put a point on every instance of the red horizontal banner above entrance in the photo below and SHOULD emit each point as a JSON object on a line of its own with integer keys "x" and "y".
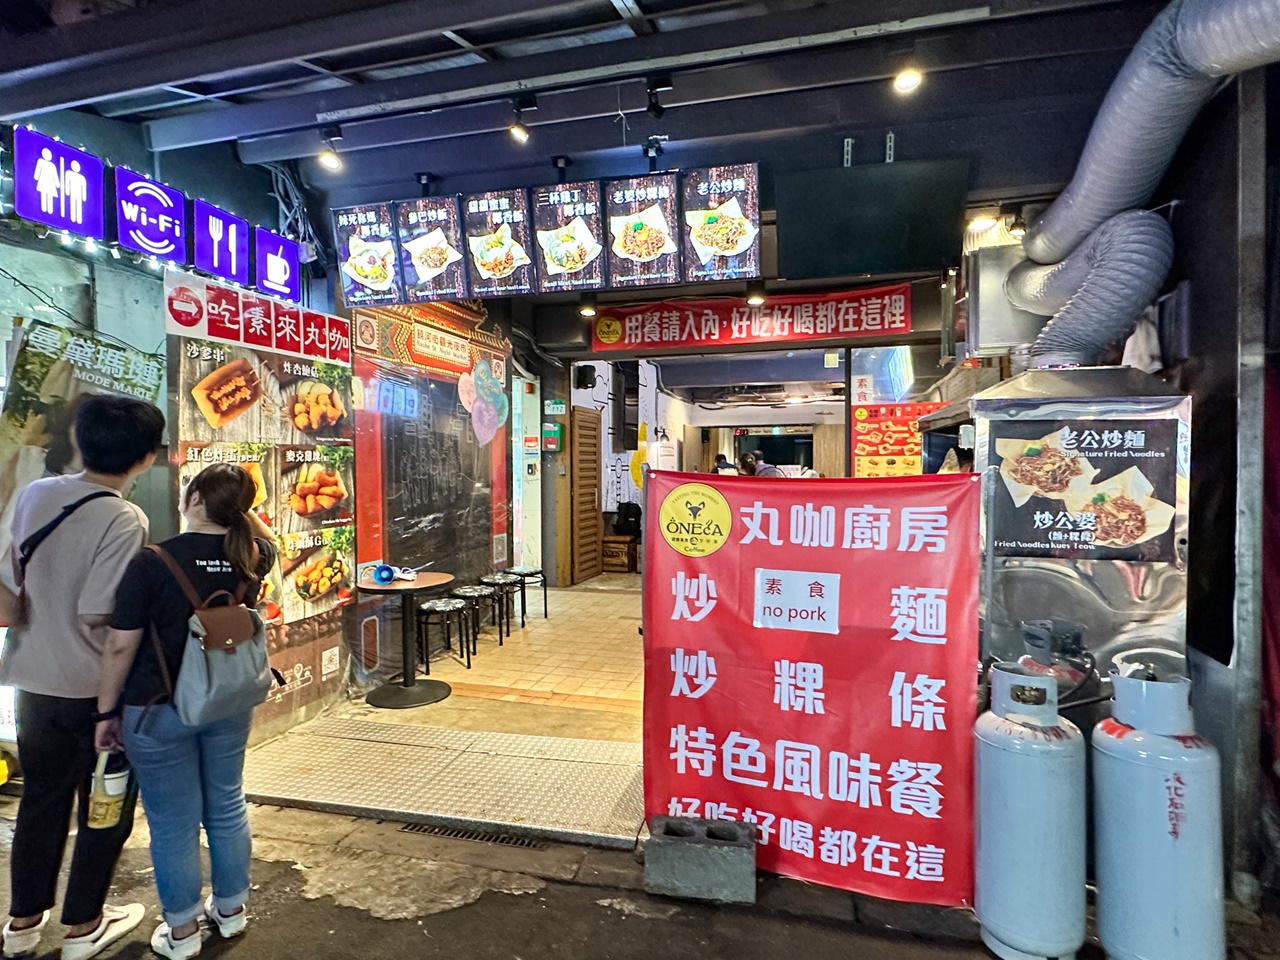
{"x": 695, "y": 325}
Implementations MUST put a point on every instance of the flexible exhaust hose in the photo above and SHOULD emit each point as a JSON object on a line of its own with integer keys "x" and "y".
{"x": 1169, "y": 76}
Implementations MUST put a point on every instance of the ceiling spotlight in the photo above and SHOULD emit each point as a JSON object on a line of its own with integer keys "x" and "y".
{"x": 519, "y": 132}
{"x": 908, "y": 80}
{"x": 587, "y": 305}
{"x": 982, "y": 223}
{"x": 657, "y": 85}
{"x": 329, "y": 158}
{"x": 755, "y": 293}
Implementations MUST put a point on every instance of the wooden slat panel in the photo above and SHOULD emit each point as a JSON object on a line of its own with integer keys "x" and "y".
{"x": 586, "y": 433}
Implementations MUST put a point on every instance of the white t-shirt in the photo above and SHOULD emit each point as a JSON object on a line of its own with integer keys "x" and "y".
{"x": 73, "y": 574}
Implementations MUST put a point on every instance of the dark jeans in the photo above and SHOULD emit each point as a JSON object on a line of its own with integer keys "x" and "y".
{"x": 55, "y": 748}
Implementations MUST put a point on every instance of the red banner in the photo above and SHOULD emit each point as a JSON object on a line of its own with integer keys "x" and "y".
{"x": 195, "y": 307}
{"x": 694, "y": 325}
{"x": 810, "y": 661}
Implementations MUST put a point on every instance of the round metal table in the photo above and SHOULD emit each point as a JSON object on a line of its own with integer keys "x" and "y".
{"x": 410, "y": 691}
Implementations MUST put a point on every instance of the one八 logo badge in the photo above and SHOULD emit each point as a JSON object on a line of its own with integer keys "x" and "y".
{"x": 695, "y": 519}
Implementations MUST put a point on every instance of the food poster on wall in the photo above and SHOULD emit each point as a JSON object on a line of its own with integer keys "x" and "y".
{"x": 318, "y": 570}
{"x": 498, "y": 240}
{"x": 366, "y": 239}
{"x": 259, "y": 459}
{"x": 431, "y": 249}
{"x": 52, "y": 368}
{"x": 1085, "y": 489}
{"x": 721, "y": 223}
{"x": 642, "y": 214}
{"x": 886, "y": 438}
{"x": 568, "y": 223}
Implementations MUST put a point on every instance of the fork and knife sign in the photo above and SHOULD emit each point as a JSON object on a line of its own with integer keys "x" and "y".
{"x": 216, "y": 232}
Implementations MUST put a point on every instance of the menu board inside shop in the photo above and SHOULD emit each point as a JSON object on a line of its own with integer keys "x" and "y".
{"x": 569, "y": 226}
{"x": 431, "y": 249}
{"x": 642, "y": 214}
{"x": 498, "y": 243}
{"x": 1085, "y": 489}
{"x": 886, "y": 437}
{"x": 366, "y": 238}
{"x": 721, "y": 233}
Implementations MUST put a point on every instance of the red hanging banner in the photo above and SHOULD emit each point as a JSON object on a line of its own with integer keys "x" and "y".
{"x": 695, "y": 325}
{"x": 811, "y": 649}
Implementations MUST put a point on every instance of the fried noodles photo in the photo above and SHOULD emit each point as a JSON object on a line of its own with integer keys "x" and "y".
{"x": 1120, "y": 519}
{"x": 642, "y": 241}
{"x": 1046, "y": 469}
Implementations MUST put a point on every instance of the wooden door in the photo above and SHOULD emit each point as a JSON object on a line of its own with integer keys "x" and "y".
{"x": 586, "y": 451}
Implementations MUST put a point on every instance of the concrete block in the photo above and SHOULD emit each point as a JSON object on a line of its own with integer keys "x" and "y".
{"x": 701, "y": 859}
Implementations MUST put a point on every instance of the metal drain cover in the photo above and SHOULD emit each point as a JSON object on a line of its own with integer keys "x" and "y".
{"x": 478, "y": 836}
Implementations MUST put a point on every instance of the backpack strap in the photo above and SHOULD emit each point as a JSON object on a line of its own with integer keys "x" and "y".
{"x": 178, "y": 574}
{"x": 29, "y": 545}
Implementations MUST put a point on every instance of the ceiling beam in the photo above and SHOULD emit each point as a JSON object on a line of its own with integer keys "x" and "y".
{"x": 151, "y": 47}
{"x": 588, "y": 64}
{"x": 630, "y": 11}
{"x": 454, "y": 37}
{"x": 1065, "y": 34}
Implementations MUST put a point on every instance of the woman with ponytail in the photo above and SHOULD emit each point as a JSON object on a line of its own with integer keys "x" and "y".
{"x": 188, "y": 776}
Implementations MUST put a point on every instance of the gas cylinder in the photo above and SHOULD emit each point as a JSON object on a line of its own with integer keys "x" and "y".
{"x": 1158, "y": 824}
{"x": 1030, "y": 820}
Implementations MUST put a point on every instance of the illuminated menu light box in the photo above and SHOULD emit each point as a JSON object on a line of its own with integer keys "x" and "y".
{"x": 222, "y": 243}
{"x": 368, "y": 257}
{"x": 642, "y": 212}
{"x": 499, "y": 242}
{"x": 57, "y": 185}
{"x": 277, "y": 265}
{"x": 432, "y": 251}
{"x": 151, "y": 217}
{"x": 568, "y": 224}
{"x": 720, "y": 232}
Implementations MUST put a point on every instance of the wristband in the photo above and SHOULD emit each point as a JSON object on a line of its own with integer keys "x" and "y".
{"x": 109, "y": 715}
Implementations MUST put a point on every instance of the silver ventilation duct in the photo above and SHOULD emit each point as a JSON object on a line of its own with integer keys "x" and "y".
{"x": 1173, "y": 70}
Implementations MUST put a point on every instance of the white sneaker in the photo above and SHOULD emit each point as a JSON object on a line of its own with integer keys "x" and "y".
{"x": 19, "y": 943}
{"x": 227, "y": 927}
{"x": 162, "y": 942}
{"x": 116, "y": 923}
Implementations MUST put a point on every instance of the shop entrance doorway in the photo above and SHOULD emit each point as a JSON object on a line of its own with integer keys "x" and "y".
{"x": 587, "y": 429}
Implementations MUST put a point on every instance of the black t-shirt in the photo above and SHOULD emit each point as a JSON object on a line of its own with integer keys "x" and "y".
{"x": 149, "y": 594}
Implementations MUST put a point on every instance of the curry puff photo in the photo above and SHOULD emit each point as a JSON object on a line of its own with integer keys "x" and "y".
{"x": 1127, "y": 513}
{"x": 1040, "y": 468}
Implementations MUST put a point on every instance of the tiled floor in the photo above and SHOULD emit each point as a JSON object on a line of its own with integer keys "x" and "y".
{"x": 588, "y": 654}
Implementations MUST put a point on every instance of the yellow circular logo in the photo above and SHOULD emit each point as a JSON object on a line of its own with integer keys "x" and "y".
{"x": 861, "y": 413}
{"x": 608, "y": 329}
{"x": 695, "y": 519}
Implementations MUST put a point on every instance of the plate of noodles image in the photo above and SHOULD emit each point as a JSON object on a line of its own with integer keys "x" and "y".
{"x": 720, "y": 231}
{"x": 568, "y": 249}
{"x": 497, "y": 255}
{"x": 1126, "y": 512}
{"x": 1041, "y": 468}
{"x": 431, "y": 253}
{"x": 642, "y": 237}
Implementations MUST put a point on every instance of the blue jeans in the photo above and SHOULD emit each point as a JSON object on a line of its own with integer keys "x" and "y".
{"x": 189, "y": 776}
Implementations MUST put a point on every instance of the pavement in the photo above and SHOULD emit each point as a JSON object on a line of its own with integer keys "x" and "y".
{"x": 334, "y": 886}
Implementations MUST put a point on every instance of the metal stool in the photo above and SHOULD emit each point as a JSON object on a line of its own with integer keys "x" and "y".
{"x": 506, "y": 585}
{"x": 447, "y": 614}
{"x": 535, "y": 576}
{"x": 475, "y": 597}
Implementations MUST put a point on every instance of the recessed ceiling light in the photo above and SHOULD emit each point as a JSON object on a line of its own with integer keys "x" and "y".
{"x": 908, "y": 80}
{"x": 979, "y": 224}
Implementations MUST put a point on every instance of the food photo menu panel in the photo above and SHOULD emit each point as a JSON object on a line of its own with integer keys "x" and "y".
{"x": 366, "y": 238}
{"x": 431, "y": 249}
{"x": 642, "y": 214}
{"x": 569, "y": 226}
{"x": 498, "y": 240}
{"x": 721, "y": 229}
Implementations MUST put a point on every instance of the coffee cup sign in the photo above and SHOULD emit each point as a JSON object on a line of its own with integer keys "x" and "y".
{"x": 277, "y": 265}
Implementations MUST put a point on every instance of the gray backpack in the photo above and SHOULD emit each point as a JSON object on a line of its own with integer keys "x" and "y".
{"x": 224, "y": 670}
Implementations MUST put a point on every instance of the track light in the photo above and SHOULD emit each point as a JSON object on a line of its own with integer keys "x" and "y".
{"x": 329, "y": 158}
{"x": 908, "y": 80}
{"x": 755, "y": 293}
{"x": 519, "y": 132}
{"x": 657, "y": 85}
{"x": 587, "y": 305}
{"x": 1018, "y": 228}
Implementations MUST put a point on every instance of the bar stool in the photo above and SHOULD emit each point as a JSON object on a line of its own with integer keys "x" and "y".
{"x": 447, "y": 613}
{"x": 530, "y": 575}
{"x": 506, "y": 585}
{"x": 475, "y": 598}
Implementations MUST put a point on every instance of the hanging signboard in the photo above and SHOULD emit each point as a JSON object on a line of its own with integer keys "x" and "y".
{"x": 643, "y": 240}
{"x": 498, "y": 243}
{"x": 277, "y": 265}
{"x": 431, "y": 257}
{"x": 151, "y": 217}
{"x": 684, "y": 326}
{"x": 721, "y": 229}
{"x": 195, "y": 307}
{"x": 1090, "y": 489}
{"x": 367, "y": 259}
{"x": 810, "y": 649}
{"x": 57, "y": 185}
{"x": 886, "y": 437}
{"x": 569, "y": 226}
{"x": 222, "y": 243}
